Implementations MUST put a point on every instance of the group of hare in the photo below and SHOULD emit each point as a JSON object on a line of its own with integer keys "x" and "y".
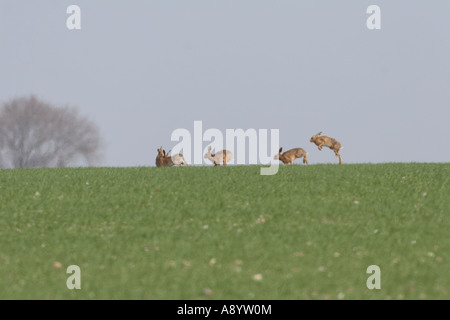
{"x": 164, "y": 159}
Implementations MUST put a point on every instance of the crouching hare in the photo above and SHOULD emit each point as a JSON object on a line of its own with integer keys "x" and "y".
{"x": 324, "y": 141}
{"x": 178, "y": 159}
{"x": 223, "y": 156}
{"x": 290, "y": 155}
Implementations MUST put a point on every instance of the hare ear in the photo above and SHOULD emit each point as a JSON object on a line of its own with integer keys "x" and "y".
{"x": 281, "y": 149}
{"x": 209, "y": 148}
{"x": 319, "y": 133}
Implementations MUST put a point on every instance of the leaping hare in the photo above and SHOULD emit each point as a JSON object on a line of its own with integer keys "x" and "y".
{"x": 324, "y": 141}
{"x": 290, "y": 155}
{"x": 223, "y": 156}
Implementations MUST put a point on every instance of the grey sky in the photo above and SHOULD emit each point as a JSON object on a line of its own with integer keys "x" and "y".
{"x": 141, "y": 69}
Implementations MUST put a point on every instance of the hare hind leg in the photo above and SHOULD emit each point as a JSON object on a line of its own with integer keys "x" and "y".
{"x": 336, "y": 152}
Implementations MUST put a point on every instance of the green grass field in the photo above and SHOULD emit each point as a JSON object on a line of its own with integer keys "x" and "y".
{"x": 309, "y": 232}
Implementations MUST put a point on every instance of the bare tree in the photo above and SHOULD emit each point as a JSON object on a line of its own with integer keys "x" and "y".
{"x": 35, "y": 134}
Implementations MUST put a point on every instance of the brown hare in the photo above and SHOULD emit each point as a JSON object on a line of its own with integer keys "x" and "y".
{"x": 160, "y": 157}
{"x": 290, "y": 155}
{"x": 324, "y": 141}
{"x": 164, "y": 159}
{"x": 223, "y": 156}
{"x": 178, "y": 159}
